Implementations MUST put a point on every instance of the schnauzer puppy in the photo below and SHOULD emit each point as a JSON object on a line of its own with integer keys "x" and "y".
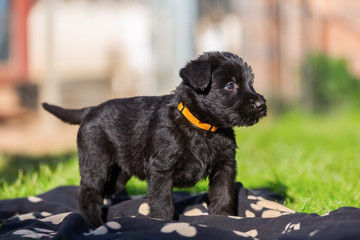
{"x": 170, "y": 141}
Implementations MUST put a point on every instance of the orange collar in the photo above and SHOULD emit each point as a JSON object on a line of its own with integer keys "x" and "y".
{"x": 188, "y": 115}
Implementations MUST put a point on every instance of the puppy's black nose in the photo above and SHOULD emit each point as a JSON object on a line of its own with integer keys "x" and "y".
{"x": 259, "y": 104}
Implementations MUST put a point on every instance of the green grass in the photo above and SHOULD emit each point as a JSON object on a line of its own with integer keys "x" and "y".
{"x": 314, "y": 161}
{"x": 22, "y": 175}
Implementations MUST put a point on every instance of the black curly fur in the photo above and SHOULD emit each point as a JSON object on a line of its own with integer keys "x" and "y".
{"x": 148, "y": 137}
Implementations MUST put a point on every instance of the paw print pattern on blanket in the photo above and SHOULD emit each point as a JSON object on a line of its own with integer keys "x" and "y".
{"x": 36, "y": 233}
{"x": 256, "y": 206}
{"x": 103, "y": 230}
{"x": 183, "y": 229}
{"x": 252, "y": 233}
{"x": 259, "y": 216}
{"x": 144, "y": 209}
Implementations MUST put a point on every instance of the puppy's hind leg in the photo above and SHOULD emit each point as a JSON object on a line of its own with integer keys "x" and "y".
{"x": 96, "y": 165}
{"x": 89, "y": 203}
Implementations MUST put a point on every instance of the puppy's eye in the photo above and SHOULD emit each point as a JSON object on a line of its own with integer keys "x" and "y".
{"x": 230, "y": 86}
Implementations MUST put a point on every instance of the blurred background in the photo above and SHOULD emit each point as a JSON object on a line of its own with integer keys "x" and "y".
{"x": 76, "y": 53}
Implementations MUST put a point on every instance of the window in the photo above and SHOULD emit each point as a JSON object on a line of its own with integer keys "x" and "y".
{"x": 4, "y": 29}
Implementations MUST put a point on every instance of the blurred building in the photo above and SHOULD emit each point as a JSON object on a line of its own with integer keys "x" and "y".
{"x": 81, "y": 52}
{"x": 13, "y": 56}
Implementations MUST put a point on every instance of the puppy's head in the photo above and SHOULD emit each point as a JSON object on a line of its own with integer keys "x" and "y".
{"x": 218, "y": 87}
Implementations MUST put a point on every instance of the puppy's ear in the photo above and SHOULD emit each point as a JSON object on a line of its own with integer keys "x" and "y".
{"x": 197, "y": 74}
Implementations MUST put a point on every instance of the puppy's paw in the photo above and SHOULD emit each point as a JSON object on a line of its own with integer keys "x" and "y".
{"x": 161, "y": 212}
{"x": 92, "y": 212}
{"x": 227, "y": 210}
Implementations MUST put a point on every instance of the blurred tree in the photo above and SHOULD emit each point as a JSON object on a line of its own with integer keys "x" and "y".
{"x": 328, "y": 83}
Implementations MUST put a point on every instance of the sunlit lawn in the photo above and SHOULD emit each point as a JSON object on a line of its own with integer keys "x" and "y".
{"x": 312, "y": 160}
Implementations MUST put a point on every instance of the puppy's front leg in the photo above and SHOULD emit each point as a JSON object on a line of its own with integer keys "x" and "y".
{"x": 160, "y": 195}
{"x": 222, "y": 190}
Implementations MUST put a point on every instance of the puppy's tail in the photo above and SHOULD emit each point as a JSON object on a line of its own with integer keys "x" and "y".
{"x": 72, "y": 116}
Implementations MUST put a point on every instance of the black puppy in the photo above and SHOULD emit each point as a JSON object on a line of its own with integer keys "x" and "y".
{"x": 171, "y": 140}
